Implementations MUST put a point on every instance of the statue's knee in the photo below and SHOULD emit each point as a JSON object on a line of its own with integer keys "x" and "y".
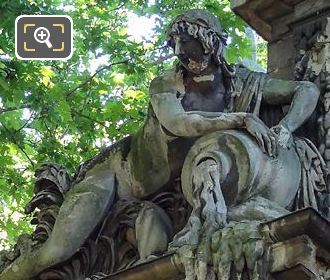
{"x": 53, "y": 255}
{"x": 101, "y": 177}
{"x": 93, "y": 190}
{"x": 154, "y": 230}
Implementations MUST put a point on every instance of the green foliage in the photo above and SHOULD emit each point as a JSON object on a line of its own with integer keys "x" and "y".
{"x": 64, "y": 112}
{"x": 262, "y": 54}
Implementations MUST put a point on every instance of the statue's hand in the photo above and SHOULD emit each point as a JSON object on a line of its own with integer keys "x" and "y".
{"x": 284, "y": 136}
{"x": 265, "y": 137}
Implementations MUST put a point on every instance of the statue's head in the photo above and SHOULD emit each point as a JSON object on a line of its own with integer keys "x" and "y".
{"x": 198, "y": 39}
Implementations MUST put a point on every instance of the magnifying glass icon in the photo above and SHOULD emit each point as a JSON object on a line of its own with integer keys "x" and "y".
{"x": 41, "y": 35}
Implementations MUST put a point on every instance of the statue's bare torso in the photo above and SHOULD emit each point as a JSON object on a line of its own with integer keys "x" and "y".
{"x": 163, "y": 152}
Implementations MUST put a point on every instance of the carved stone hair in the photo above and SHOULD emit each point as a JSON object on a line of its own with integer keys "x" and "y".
{"x": 210, "y": 40}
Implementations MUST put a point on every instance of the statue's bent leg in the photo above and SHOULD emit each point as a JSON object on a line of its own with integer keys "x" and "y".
{"x": 83, "y": 208}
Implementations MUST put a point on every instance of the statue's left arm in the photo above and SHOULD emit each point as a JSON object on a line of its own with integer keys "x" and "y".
{"x": 302, "y": 96}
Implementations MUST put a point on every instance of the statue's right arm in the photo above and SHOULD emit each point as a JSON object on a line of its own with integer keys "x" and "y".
{"x": 173, "y": 117}
{"x": 171, "y": 114}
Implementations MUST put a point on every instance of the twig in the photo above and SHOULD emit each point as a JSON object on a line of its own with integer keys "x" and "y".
{"x": 89, "y": 118}
{"x": 119, "y": 7}
{"x": 32, "y": 117}
{"x": 20, "y": 107}
{"x": 162, "y": 59}
{"x": 13, "y": 140}
{"x": 106, "y": 67}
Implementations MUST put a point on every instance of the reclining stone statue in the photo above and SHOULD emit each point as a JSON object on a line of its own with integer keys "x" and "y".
{"x": 206, "y": 124}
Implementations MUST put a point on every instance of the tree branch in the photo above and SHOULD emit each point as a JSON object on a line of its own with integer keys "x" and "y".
{"x": 119, "y": 7}
{"x": 162, "y": 59}
{"x": 69, "y": 93}
{"x": 13, "y": 140}
{"x": 31, "y": 119}
{"x": 106, "y": 67}
{"x": 9, "y": 109}
{"x": 89, "y": 118}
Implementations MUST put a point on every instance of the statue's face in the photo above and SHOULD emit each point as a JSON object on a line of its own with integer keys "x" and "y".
{"x": 191, "y": 53}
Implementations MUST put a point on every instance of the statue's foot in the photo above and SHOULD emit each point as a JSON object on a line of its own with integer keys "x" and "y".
{"x": 257, "y": 208}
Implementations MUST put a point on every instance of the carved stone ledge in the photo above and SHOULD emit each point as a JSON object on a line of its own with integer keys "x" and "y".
{"x": 273, "y": 18}
{"x": 297, "y": 255}
{"x": 301, "y": 245}
{"x": 299, "y": 250}
{"x": 163, "y": 268}
{"x": 297, "y": 273}
{"x": 277, "y": 21}
{"x": 304, "y": 222}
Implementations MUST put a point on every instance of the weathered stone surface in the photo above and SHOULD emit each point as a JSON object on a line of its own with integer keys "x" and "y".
{"x": 298, "y": 272}
{"x": 313, "y": 64}
{"x": 277, "y": 21}
{"x": 213, "y": 138}
{"x": 273, "y": 18}
{"x": 282, "y": 58}
{"x": 300, "y": 245}
{"x": 163, "y": 268}
{"x": 307, "y": 221}
{"x": 298, "y": 251}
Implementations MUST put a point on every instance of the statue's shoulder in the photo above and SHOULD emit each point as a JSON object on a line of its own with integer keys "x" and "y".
{"x": 169, "y": 81}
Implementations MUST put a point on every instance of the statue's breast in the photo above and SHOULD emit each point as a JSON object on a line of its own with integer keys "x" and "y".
{"x": 204, "y": 101}
{"x": 204, "y": 93}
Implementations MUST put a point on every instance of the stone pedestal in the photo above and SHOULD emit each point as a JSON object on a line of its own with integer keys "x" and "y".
{"x": 298, "y": 249}
{"x": 300, "y": 246}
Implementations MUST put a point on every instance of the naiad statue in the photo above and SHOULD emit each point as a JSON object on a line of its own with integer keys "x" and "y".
{"x": 211, "y": 138}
